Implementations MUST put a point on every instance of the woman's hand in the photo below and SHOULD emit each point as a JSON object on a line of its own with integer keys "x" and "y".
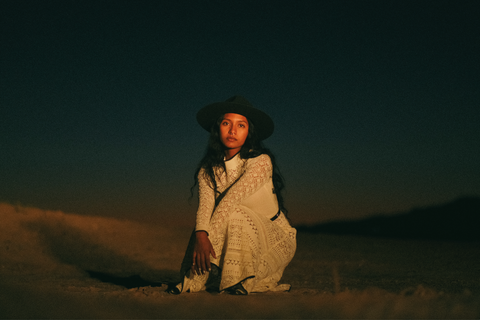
{"x": 201, "y": 253}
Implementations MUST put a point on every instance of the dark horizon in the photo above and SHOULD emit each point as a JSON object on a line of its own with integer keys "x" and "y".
{"x": 452, "y": 221}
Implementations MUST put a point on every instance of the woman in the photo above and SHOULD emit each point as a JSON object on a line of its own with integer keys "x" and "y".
{"x": 242, "y": 240}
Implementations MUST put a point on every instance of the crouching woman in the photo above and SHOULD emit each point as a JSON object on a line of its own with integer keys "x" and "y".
{"x": 242, "y": 241}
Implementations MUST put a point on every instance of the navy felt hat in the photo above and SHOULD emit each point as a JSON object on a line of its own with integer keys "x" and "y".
{"x": 207, "y": 116}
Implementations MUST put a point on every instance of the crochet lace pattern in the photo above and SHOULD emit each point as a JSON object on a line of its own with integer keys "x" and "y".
{"x": 249, "y": 246}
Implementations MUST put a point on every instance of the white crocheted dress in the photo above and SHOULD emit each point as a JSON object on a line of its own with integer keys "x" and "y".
{"x": 250, "y": 248}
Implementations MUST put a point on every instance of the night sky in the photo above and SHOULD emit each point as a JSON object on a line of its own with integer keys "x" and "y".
{"x": 375, "y": 103}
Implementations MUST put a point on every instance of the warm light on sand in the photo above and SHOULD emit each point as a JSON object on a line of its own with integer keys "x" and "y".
{"x": 68, "y": 265}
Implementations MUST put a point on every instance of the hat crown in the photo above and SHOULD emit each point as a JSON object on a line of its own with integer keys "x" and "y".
{"x": 239, "y": 100}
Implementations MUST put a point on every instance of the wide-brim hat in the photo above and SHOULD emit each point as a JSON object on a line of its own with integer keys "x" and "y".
{"x": 208, "y": 115}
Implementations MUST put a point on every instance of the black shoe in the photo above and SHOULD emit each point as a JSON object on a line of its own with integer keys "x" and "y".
{"x": 213, "y": 282}
{"x": 173, "y": 289}
{"x": 237, "y": 290}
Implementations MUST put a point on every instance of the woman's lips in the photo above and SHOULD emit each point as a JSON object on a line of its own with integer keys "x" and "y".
{"x": 231, "y": 139}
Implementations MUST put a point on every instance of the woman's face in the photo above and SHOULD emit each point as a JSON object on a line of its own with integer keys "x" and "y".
{"x": 233, "y": 132}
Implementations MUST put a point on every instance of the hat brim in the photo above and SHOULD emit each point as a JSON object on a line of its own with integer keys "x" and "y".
{"x": 264, "y": 125}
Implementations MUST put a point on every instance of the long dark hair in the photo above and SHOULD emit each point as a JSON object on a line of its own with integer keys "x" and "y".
{"x": 253, "y": 147}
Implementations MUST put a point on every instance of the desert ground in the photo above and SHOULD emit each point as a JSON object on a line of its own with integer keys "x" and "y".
{"x": 63, "y": 265}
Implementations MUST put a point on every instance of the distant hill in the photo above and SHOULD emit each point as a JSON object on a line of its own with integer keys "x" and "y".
{"x": 458, "y": 220}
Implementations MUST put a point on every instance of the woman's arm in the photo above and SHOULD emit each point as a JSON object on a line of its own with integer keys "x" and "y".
{"x": 203, "y": 247}
{"x": 206, "y": 203}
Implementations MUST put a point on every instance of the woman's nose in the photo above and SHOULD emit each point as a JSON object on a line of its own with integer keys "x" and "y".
{"x": 232, "y": 131}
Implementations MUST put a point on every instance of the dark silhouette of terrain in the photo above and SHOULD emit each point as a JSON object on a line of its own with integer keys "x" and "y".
{"x": 458, "y": 220}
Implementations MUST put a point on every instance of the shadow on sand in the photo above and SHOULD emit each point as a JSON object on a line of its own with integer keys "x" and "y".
{"x": 72, "y": 246}
{"x": 130, "y": 282}
{"x": 458, "y": 220}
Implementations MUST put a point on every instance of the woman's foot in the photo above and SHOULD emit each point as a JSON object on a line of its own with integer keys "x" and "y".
{"x": 173, "y": 289}
{"x": 214, "y": 278}
{"x": 237, "y": 290}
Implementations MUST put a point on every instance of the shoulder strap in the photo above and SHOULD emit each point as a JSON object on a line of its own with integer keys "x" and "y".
{"x": 223, "y": 194}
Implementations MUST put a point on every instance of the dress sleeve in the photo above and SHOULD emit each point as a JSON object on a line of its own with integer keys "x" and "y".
{"x": 206, "y": 203}
{"x": 258, "y": 172}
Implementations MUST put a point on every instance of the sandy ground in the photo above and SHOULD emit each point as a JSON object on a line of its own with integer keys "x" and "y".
{"x": 57, "y": 265}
